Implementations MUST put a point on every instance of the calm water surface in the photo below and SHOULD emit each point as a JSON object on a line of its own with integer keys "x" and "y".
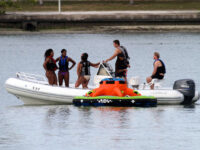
{"x": 68, "y": 127}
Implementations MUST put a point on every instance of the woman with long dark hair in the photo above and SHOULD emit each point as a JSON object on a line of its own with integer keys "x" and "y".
{"x": 50, "y": 67}
{"x": 83, "y": 71}
{"x": 64, "y": 68}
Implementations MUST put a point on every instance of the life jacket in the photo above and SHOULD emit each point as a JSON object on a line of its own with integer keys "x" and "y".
{"x": 85, "y": 68}
{"x": 122, "y": 64}
{"x": 63, "y": 64}
{"x": 124, "y": 53}
{"x": 51, "y": 66}
{"x": 161, "y": 69}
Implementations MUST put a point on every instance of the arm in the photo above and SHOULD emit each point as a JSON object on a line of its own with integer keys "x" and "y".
{"x": 58, "y": 59}
{"x": 117, "y": 51}
{"x": 95, "y": 65}
{"x": 73, "y": 63}
{"x": 45, "y": 64}
{"x": 79, "y": 69}
{"x": 155, "y": 68}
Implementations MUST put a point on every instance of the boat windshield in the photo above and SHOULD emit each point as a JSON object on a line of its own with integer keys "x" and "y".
{"x": 105, "y": 70}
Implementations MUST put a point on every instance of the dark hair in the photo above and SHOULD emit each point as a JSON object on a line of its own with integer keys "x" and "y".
{"x": 63, "y": 50}
{"x": 116, "y": 42}
{"x": 48, "y": 52}
{"x": 84, "y": 57}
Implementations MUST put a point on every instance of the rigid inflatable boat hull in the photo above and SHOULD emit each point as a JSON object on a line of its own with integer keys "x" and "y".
{"x": 36, "y": 94}
{"x": 169, "y": 97}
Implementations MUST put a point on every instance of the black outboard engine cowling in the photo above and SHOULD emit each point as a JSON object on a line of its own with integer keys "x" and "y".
{"x": 187, "y": 88}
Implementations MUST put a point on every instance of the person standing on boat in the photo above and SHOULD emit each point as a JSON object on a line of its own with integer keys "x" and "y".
{"x": 83, "y": 71}
{"x": 122, "y": 62}
{"x": 50, "y": 67}
{"x": 63, "y": 73}
{"x": 159, "y": 69}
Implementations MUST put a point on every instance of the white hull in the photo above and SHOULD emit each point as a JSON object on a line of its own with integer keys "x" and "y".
{"x": 37, "y": 94}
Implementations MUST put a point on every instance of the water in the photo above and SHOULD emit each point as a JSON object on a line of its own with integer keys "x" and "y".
{"x": 69, "y": 127}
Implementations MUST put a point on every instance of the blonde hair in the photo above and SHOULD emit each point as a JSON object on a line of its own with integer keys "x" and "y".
{"x": 157, "y": 54}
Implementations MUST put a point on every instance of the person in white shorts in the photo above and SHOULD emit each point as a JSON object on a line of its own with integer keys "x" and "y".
{"x": 83, "y": 71}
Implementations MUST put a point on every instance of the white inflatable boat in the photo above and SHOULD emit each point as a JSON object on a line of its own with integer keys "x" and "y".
{"x": 35, "y": 90}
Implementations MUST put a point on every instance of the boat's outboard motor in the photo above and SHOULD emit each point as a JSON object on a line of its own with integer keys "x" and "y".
{"x": 187, "y": 88}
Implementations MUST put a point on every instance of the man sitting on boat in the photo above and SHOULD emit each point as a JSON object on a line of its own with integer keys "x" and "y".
{"x": 83, "y": 71}
{"x": 159, "y": 69}
{"x": 122, "y": 62}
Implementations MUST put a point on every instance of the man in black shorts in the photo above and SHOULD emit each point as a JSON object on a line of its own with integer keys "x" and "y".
{"x": 159, "y": 69}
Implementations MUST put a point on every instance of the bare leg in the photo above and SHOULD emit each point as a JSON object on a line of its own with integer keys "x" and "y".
{"x": 60, "y": 78}
{"x": 79, "y": 81}
{"x": 55, "y": 79}
{"x": 50, "y": 77}
{"x": 66, "y": 78}
{"x": 149, "y": 79}
{"x": 85, "y": 83}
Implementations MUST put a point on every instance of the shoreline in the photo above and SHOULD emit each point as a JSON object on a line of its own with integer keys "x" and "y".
{"x": 102, "y": 20}
{"x": 107, "y": 29}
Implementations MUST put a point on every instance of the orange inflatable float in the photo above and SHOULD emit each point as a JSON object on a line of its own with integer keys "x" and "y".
{"x": 113, "y": 87}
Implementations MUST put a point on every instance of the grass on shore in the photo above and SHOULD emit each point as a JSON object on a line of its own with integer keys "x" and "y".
{"x": 108, "y": 5}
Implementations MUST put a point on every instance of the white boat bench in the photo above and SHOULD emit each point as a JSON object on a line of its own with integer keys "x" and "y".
{"x": 157, "y": 83}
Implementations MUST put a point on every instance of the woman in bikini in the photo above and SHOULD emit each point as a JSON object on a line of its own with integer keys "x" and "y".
{"x": 83, "y": 71}
{"x": 50, "y": 67}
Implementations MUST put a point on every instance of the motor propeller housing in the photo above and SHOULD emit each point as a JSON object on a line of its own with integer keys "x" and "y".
{"x": 187, "y": 88}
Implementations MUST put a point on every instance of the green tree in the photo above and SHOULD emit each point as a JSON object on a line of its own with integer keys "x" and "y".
{"x": 4, "y": 4}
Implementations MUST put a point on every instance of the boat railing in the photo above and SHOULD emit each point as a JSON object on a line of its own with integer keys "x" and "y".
{"x": 32, "y": 77}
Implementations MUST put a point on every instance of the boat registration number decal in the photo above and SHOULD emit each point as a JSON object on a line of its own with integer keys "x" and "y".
{"x": 36, "y": 88}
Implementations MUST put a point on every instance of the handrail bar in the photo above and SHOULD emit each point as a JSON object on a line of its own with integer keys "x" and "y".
{"x": 32, "y": 77}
